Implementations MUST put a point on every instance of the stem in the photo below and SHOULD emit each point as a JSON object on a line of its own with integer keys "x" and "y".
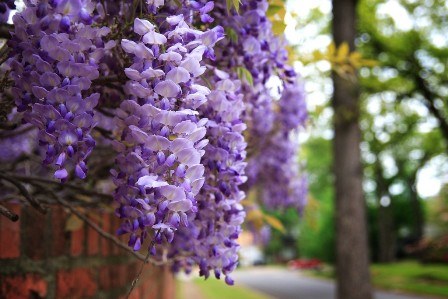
{"x": 24, "y": 192}
{"x": 8, "y": 214}
{"x": 106, "y": 235}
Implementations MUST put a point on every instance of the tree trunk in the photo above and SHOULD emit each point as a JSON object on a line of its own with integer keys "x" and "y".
{"x": 386, "y": 235}
{"x": 417, "y": 212}
{"x": 385, "y": 220}
{"x": 352, "y": 258}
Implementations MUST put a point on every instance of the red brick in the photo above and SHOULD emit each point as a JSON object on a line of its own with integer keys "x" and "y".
{"x": 33, "y": 228}
{"x": 136, "y": 293}
{"x": 77, "y": 242}
{"x": 132, "y": 270}
{"x": 118, "y": 275}
{"x": 28, "y": 286}
{"x": 106, "y": 226}
{"x": 167, "y": 287}
{"x": 77, "y": 283}
{"x": 104, "y": 276}
{"x": 115, "y": 225}
{"x": 10, "y": 235}
{"x": 59, "y": 239}
{"x": 93, "y": 242}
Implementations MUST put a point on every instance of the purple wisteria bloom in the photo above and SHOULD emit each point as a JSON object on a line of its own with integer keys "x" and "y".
{"x": 57, "y": 57}
{"x": 211, "y": 236}
{"x": 272, "y": 165}
{"x": 159, "y": 172}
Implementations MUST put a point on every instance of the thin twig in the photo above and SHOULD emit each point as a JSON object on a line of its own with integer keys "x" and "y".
{"x": 8, "y": 214}
{"x": 19, "y": 131}
{"x": 106, "y": 235}
{"x": 148, "y": 255}
{"x": 32, "y": 179}
{"x": 25, "y": 193}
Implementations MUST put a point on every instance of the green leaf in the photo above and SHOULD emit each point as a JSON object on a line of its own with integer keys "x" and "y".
{"x": 236, "y": 5}
{"x": 232, "y": 4}
{"x": 274, "y": 222}
{"x": 245, "y": 75}
{"x": 278, "y": 27}
{"x": 232, "y": 34}
{"x": 273, "y": 10}
{"x": 229, "y": 5}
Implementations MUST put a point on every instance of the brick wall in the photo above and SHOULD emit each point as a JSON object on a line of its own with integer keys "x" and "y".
{"x": 39, "y": 258}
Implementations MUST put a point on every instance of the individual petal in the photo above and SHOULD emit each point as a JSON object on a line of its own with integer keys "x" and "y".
{"x": 178, "y": 75}
{"x": 198, "y": 134}
{"x": 174, "y": 20}
{"x": 195, "y": 172}
{"x": 83, "y": 120}
{"x": 139, "y": 135}
{"x": 39, "y": 92}
{"x": 150, "y": 181}
{"x": 193, "y": 66}
{"x": 167, "y": 89}
{"x": 143, "y": 51}
{"x": 177, "y": 48}
{"x": 154, "y": 38}
{"x": 171, "y": 57}
{"x": 189, "y": 156}
{"x": 133, "y": 74}
{"x": 50, "y": 79}
{"x": 185, "y": 127}
{"x": 141, "y": 27}
{"x": 152, "y": 73}
{"x": 157, "y": 143}
{"x": 173, "y": 193}
{"x": 180, "y": 144}
{"x": 196, "y": 185}
{"x": 169, "y": 118}
{"x": 61, "y": 174}
{"x": 180, "y": 205}
{"x": 128, "y": 46}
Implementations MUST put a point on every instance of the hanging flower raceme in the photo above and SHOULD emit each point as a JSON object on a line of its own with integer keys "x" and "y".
{"x": 162, "y": 136}
{"x": 160, "y": 83}
{"x": 210, "y": 238}
{"x": 57, "y": 57}
{"x": 254, "y": 49}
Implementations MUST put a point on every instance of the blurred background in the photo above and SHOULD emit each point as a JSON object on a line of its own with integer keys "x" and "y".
{"x": 400, "y": 57}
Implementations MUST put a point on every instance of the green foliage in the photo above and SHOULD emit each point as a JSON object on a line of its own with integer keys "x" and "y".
{"x": 431, "y": 279}
{"x": 404, "y": 109}
{"x": 283, "y": 240}
{"x": 316, "y": 237}
{"x": 413, "y": 277}
{"x": 215, "y": 289}
{"x": 438, "y": 212}
{"x": 399, "y": 96}
{"x": 245, "y": 75}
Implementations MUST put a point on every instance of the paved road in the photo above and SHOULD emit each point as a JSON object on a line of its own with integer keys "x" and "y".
{"x": 285, "y": 284}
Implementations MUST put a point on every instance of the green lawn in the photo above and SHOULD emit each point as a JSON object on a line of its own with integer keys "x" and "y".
{"x": 409, "y": 276}
{"x": 217, "y": 289}
{"x": 412, "y": 277}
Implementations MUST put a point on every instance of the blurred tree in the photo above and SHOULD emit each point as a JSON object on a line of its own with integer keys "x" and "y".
{"x": 352, "y": 257}
{"x": 409, "y": 79}
{"x": 413, "y": 58}
{"x": 438, "y": 212}
{"x": 395, "y": 150}
{"x": 316, "y": 238}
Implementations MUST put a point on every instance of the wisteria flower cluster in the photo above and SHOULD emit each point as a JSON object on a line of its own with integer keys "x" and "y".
{"x": 179, "y": 94}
